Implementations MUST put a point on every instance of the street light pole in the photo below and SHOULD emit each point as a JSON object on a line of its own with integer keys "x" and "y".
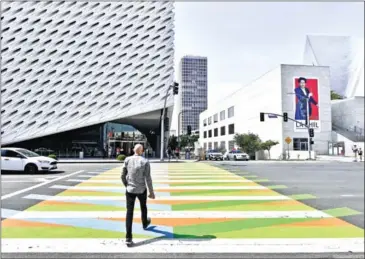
{"x": 163, "y": 127}
{"x": 308, "y": 125}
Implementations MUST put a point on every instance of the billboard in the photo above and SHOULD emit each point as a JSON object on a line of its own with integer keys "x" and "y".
{"x": 306, "y": 102}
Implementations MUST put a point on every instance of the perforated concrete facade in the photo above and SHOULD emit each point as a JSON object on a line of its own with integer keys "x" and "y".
{"x": 67, "y": 65}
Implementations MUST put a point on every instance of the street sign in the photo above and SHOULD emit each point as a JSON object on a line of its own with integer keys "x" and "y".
{"x": 288, "y": 140}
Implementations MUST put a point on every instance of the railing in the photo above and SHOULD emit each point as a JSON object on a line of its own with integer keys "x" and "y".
{"x": 355, "y": 133}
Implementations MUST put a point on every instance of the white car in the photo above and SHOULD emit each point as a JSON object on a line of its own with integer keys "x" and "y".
{"x": 236, "y": 155}
{"x": 19, "y": 159}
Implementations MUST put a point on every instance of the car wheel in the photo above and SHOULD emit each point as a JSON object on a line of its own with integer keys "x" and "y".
{"x": 31, "y": 169}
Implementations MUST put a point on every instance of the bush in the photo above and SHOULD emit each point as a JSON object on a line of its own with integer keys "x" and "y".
{"x": 52, "y": 156}
{"x": 121, "y": 157}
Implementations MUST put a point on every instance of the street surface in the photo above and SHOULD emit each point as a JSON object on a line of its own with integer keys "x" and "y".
{"x": 231, "y": 209}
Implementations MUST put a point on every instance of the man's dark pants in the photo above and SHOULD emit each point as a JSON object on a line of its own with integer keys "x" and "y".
{"x": 131, "y": 199}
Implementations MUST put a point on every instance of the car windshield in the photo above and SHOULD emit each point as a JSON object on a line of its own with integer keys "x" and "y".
{"x": 27, "y": 153}
{"x": 238, "y": 151}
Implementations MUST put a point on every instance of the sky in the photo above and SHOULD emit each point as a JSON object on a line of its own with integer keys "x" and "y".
{"x": 244, "y": 40}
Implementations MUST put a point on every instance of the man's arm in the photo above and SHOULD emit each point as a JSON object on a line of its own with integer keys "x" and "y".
{"x": 124, "y": 174}
{"x": 149, "y": 180}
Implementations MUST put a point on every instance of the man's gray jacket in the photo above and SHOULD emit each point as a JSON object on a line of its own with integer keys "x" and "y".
{"x": 136, "y": 173}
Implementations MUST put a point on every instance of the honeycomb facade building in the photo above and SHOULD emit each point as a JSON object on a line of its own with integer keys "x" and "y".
{"x": 71, "y": 65}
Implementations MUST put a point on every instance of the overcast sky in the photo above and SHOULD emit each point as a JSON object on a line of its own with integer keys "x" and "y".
{"x": 244, "y": 40}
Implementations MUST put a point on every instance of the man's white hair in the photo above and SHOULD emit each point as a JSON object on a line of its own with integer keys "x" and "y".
{"x": 137, "y": 148}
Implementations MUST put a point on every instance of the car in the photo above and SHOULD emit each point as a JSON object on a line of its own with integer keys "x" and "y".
{"x": 214, "y": 155}
{"x": 20, "y": 159}
{"x": 236, "y": 155}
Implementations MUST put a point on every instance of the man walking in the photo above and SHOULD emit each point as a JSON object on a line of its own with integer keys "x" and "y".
{"x": 136, "y": 173}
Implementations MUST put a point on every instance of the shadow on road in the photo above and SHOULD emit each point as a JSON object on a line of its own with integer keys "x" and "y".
{"x": 39, "y": 173}
{"x": 169, "y": 235}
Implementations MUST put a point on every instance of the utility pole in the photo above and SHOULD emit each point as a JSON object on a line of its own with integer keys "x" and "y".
{"x": 308, "y": 125}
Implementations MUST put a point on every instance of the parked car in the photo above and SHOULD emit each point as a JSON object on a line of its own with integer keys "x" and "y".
{"x": 236, "y": 155}
{"x": 213, "y": 155}
{"x": 19, "y": 159}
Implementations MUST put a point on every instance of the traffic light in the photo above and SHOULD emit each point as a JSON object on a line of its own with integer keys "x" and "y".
{"x": 175, "y": 88}
{"x": 189, "y": 130}
{"x": 167, "y": 124}
{"x": 311, "y": 141}
{"x": 262, "y": 116}
{"x": 285, "y": 116}
{"x": 311, "y": 133}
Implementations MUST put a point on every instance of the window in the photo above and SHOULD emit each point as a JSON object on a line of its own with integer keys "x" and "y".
{"x": 205, "y": 134}
{"x": 209, "y": 120}
{"x": 230, "y": 112}
{"x": 209, "y": 145}
{"x": 223, "y": 130}
{"x": 205, "y": 122}
{"x": 10, "y": 153}
{"x": 222, "y": 115}
{"x": 215, "y": 145}
{"x": 223, "y": 146}
{"x": 215, "y": 118}
{"x": 216, "y": 132}
{"x": 300, "y": 144}
{"x": 205, "y": 146}
{"x": 210, "y": 133}
{"x": 230, "y": 145}
{"x": 231, "y": 129}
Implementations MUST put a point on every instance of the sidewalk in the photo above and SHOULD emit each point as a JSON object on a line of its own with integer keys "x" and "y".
{"x": 345, "y": 159}
{"x": 113, "y": 161}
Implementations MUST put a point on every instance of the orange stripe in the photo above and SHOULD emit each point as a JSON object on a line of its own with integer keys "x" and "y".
{"x": 56, "y": 203}
{"x": 23, "y": 223}
{"x": 176, "y": 222}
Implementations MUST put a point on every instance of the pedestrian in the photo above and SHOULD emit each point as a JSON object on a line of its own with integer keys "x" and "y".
{"x": 177, "y": 153}
{"x": 136, "y": 174}
{"x": 169, "y": 153}
{"x": 355, "y": 150}
{"x": 360, "y": 154}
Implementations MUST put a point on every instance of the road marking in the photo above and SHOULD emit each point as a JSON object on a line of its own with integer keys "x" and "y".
{"x": 167, "y": 198}
{"x": 165, "y": 246}
{"x": 259, "y": 187}
{"x": 165, "y": 181}
{"x": 7, "y": 196}
{"x": 25, "y": 181}
{"x": 169, "y": 214}
{"x": 347, "y": 195}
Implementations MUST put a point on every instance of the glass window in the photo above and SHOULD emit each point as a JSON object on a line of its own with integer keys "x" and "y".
{"x": 223, "y": 146}
{"x": 215, "y": 145}
{"x": 300, "y": 144}
{"x": 216, "y": 132}
{"x": 205, "y": 146}
{"x": 223, "y": 130}
{"x": 231, "y": 129}
{"x": 10, "y": 153}
{"x": 222, "y": 115}
{"x": 231, "y": 145}
{"x": 230, "y": 112}
{"x": 215, "y": 118}
{"x": 210, "y": 133}
{"x": 205, "y": 122}
{"x": 209, "y": 145}
{"x": 209, "y": 120}
{"x": 205, "y": 134}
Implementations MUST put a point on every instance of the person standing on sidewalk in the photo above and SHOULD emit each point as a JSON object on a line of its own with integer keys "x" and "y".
{"x": 136, "y": 174}
{"x": 360, "y": 154}
{"x": 355, "y": 150}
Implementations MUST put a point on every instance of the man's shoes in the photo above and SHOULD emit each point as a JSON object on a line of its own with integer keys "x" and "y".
{"x": 148, "y": 224}
{"x": 129, "y": 242}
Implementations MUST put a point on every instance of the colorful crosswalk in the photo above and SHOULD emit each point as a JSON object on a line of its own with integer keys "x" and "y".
{"x": 194, "y": 201}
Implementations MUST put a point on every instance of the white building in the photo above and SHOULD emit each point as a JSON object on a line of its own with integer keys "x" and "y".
{"x": 272, "y": 93}
{"x": 68, "y": 65}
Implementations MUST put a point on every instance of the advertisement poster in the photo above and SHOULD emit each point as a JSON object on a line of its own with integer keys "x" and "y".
{"x": 306, "y": 102}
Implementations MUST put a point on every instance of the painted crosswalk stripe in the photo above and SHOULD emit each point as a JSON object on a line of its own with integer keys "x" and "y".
{"x": 105, "y": 188}
{"x": 165, "y": 246}
{"x": 168, "y": 198}
{"x": 165, "y": 181}
{"x": 172, "y": 214}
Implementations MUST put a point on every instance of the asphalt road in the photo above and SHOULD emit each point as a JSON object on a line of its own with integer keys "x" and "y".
{"x": 335, "y": 184}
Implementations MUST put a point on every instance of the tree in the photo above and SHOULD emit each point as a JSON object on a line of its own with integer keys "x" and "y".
{"x": 335, "y": 96}
{"x": 172, "y": 142}
{"x": 267, "y": 145}
{"x": 249, "y": 143}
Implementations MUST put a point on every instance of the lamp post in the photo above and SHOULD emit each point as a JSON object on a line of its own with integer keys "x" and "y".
{"x": 175, "y": 91}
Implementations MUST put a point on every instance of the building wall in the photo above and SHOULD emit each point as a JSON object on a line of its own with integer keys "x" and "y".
{"x": 67, "y": 65}
{"x": 193, "y": 72}
{"x": 323, "y": 136}
{"x": 271, "y": 94}
{"x": 348, "y": 113}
